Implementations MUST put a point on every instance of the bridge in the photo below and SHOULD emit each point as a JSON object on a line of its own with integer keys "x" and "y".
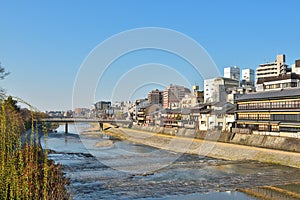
{"x": 67, "y": 120}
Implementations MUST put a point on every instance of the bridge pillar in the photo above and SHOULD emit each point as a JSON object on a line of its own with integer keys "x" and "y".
{"x": 101, "y": 126}
{"x": 66, "y": 127}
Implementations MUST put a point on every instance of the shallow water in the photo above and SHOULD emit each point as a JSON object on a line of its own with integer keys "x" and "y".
{"x": 122, "y": 171}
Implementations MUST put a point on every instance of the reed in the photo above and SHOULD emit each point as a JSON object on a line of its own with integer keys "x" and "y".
{"x": 26, "y": 172}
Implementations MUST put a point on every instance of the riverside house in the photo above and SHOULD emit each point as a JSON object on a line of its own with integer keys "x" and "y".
{"x": 269, "y": 113}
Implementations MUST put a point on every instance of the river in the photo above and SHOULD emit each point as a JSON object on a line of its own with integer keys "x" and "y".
{"x": 119, "y": 171}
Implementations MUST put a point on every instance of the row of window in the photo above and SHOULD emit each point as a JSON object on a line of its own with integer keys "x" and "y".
{"x": 276, "y": 128}
{"x": 270, "y": 128}
{"x": 269, "y": 105}
{"x": 254, "y": 116}
{"x": 266, "y": 127}
{"x": 272, "y": 117}
{"x": 282, "y": 85}
{"x": 286, "y": 117}
{"x": 266, "y": 73}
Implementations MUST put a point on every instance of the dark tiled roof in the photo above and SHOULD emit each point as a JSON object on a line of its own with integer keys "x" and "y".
{"x": 228, "y": 108}
{"x": 219, "y": 104}
{"x": 186, "y": 111}
{"x": 205, "y": 111}
{"x": 277, "y": 94}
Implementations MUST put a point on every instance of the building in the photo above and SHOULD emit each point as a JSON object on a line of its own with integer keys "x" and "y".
{"x": 55, "y": 113}
{"x": 216, "y": 89}
{"x": 277, "y": 83}
{"x": 173, "y": 118}
{"x": 102, "y": 105}
{"x": 199, "y": 95}
{"x": 215, "y": 116}
{"x": 232, "y": 72}
{"x": 81, "y": 112}
{"x": 141, "y": 116}
{"x": 192, "y": 99}
{"x": 155, "y": 97}
{"x": 173, "y": 94}
{"x": 269, "y": 113}
{"x": 135, "y": 108}
{"x": 296, "y": 67}
{"x": 272, "y": 69}
{"x": 247, "y": 77}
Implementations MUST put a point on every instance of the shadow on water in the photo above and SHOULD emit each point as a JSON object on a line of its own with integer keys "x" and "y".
{"x": 188, "y": 177}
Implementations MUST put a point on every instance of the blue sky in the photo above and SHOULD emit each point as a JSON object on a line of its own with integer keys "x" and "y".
{"x": 44, "y": 43}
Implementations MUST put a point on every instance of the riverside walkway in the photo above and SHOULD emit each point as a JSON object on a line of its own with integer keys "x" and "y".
{"x": 67, "y": 120}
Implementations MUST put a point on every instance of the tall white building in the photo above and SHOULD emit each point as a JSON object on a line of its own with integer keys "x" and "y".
{"x": 248, "y": 77}
{"x": 216, "y": 89}
{"x": 272, "y": 69}
{"x": 232, "y": 72}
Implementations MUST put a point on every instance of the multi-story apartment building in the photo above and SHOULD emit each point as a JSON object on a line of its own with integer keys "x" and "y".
{"x": 155, "y": 97}
{"x": 272, "y": 69}
{"x": 232, "y": 72}
{"x": 277, "y": 83}
{"x": 216, "y": 89}
{"x": 173, "y": 94}
{"x": 270, "y": 113}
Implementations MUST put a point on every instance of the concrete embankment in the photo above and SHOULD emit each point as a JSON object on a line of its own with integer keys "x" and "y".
{"x": 184, "y": 141}
{"x": 264, "y": 141}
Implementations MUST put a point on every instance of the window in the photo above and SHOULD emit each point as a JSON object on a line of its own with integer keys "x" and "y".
{"x": 293, "y": 84}
{"x": 290, "y": 117}
{"x": 289, "y": 129}
{"x": 264, "y": 116}
{"x": 263, "y": 127}
{"x": 277, "y": 117}
{"x": 253, "y": 116}
{"x": 275, "y": 128}
{"x": 242, "y": 116}
{"x": 286, "y": 117}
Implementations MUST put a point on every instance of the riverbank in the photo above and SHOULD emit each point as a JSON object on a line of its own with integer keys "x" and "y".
{"x": 208, "y": 148}
{"x": 131, "y": 170}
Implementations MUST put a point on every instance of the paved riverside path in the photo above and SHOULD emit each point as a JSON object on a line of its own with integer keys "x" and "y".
{"x": 209, "y": 148}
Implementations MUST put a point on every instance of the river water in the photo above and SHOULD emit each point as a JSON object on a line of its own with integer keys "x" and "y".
{"x": 119, "y": 171}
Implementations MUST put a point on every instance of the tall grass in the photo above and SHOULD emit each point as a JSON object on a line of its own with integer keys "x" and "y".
{"x": 25, "y": 170}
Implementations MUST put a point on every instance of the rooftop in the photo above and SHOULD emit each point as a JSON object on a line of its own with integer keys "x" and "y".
{"x": 283, "y": 93}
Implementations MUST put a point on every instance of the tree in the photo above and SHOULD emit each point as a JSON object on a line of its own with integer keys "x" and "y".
{"x": 3, "y": 74}
{"x": 12, "y": 104}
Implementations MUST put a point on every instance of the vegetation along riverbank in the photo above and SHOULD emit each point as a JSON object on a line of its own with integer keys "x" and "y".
{"x": 26, "y": 172}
